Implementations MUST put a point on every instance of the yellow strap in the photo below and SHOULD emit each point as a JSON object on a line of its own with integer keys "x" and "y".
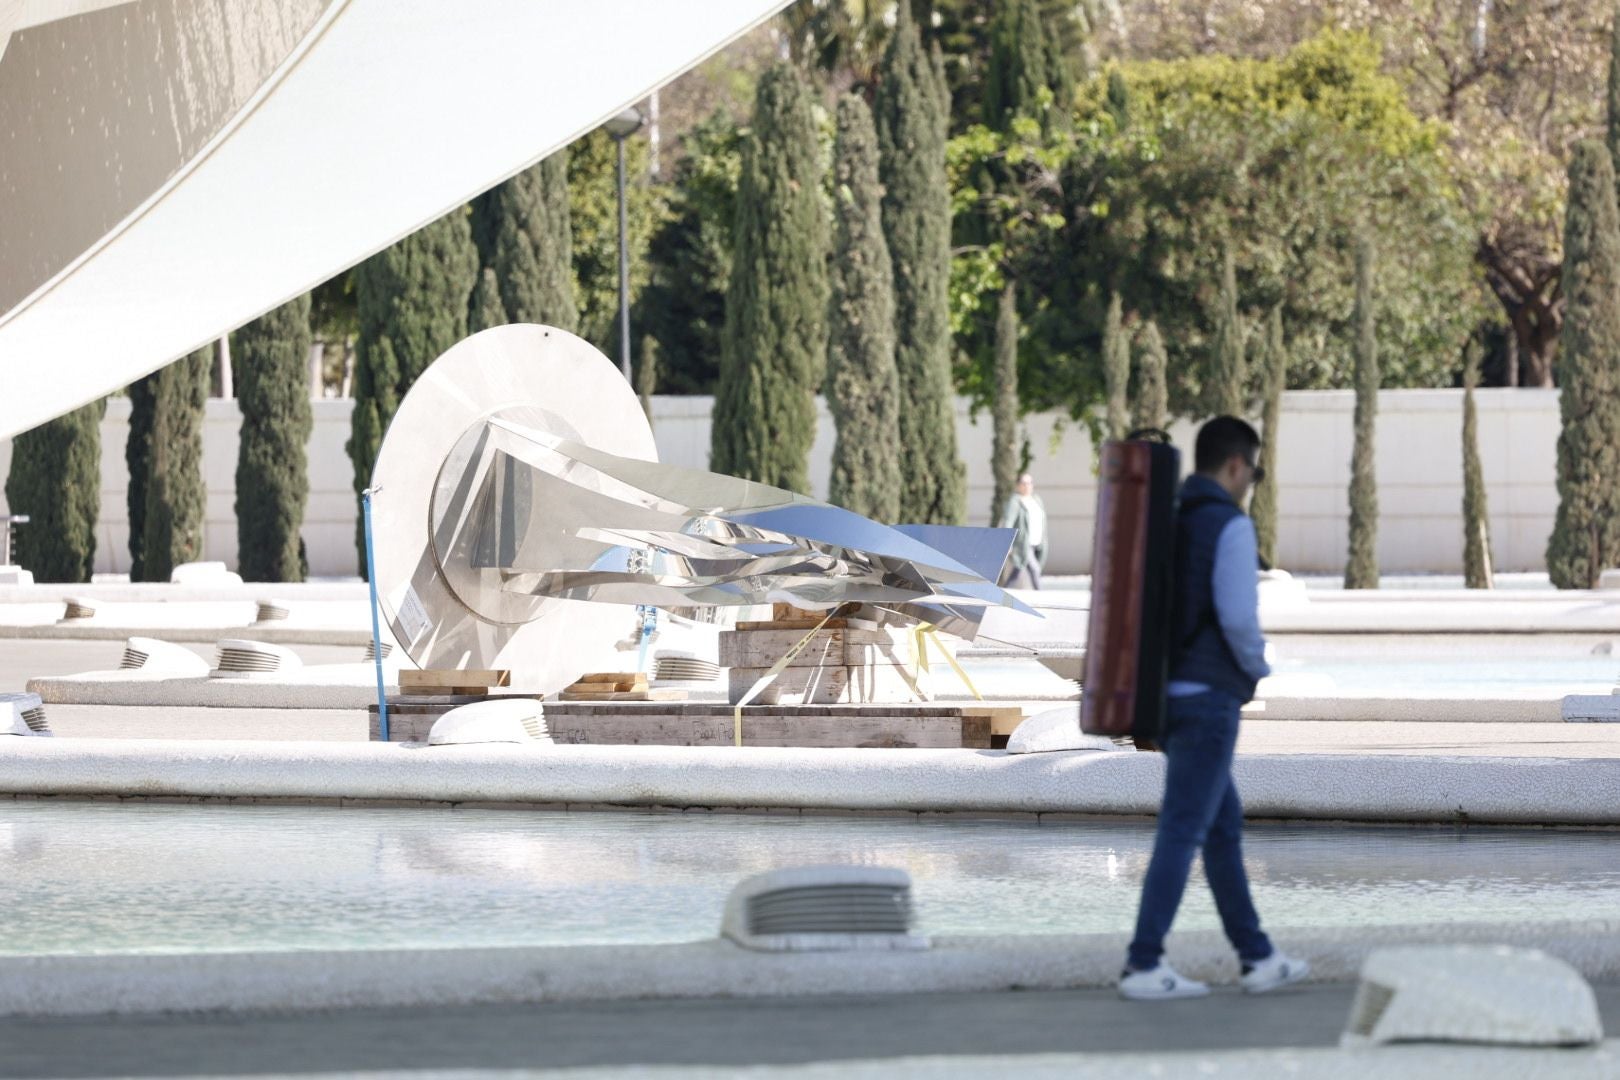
{"x": 921, "y": 634}
{"x": 766, "y": 679}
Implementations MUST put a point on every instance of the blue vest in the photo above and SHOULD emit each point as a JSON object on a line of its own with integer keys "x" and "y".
{"x": 1198, "y": 651}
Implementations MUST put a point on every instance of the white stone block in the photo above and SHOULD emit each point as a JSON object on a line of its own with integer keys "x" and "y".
{"x": 1592, "y": 709}
{"x": 1052, "y": 730}
{"x": 1472, "y": 994}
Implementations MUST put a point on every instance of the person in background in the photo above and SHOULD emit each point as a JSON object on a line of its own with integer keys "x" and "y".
{"x": 1217, "y": 656}
{"x": 1026, "y": 513}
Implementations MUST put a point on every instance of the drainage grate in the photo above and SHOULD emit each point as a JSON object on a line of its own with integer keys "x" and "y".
{"x": 271, "y": 611}
{"x": 133, "y": 658}
{"x": 536, "y": 728}
{"x": 35, "y": 719}
{"x": 234, "y": 659}
{"x": 371, "y": 650}
{"x": 78, "y": 609}
{"x": 831, "y": 909}
{"x": 685, "y": 669}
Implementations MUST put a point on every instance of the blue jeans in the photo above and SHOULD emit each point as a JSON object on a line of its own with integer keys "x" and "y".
{"x": 1200, "y": 811}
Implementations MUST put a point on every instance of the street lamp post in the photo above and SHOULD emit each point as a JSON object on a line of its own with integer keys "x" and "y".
{"x": 621, "y": 127}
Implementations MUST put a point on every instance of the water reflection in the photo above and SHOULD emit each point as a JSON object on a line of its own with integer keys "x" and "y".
{"x": 153, "y": 878}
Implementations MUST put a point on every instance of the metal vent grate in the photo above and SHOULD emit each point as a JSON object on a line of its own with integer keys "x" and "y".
{"x": 371, "y": 650}
{"x": 133, "y": 658}
{"x": 78, "y": 609}
{"x": 234, "y": 659}
{"x": 685, "y": 669}
{"x": 35, "y": 719}
{"x": 831, "y": 909}
{"x": 1371, "y": 1001}
{"x": 271, "y": 611}
{"x": 535, "y": 727}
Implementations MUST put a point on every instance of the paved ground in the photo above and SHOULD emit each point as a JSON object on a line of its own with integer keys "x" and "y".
{"x": 21, "y": 660}
{"x": 742, "y": 1032}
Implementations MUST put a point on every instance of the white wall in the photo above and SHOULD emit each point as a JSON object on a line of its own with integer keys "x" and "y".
{"x": 1419, "y": 477}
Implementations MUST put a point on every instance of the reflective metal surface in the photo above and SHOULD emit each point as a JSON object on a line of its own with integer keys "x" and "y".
{"x": 548, "y": 495}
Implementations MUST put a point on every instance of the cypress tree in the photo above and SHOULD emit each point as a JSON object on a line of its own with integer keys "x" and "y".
{"x": 484, "y": 308}
{"x": 774, "y": 348}
{"x": 411, "y": 305}
{"x": 1361, "y": 568}
{"x": 863, "y": 384}
{"x": 1017, "y": 72}
{"x": 1227, "y": 370}
{"x": 1116, "y": 348}
{"x": 1004, "y": 412}
{"x": 272, "y": 472}
{"x": 1586, "y": 532}
{"x": 532, "y": 249}
{"x": 176, "y": 494}
{"x": 1263, "y": 506}
{"x": 647, "y": 374}
{"x": 137, "y": 457}
{"x": 1613, "y": 129}
{"x": 1119, "y": 99}
{"x": 55, "y": 479}
{"x": 1152, "y": 391}
{"x": 1477, "y": 572}
{"x": 912, "y": 120}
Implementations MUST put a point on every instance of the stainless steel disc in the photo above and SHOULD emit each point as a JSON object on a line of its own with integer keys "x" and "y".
{"x": 444, "y": 610}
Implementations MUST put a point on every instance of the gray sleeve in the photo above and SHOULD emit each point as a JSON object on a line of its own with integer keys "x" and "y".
{"x": 1236, "y": 584}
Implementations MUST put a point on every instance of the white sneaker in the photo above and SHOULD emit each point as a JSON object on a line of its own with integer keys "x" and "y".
{"x": 1160, "y": 984}
{"x": 1276, "y": 970}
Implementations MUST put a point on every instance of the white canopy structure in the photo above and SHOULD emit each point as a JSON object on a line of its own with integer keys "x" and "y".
{"x": 170, "y": 169}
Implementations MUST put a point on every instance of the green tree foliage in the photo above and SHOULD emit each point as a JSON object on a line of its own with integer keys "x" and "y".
{"x": 966, "y": 33}
{"x": 55, "y": 479}
{"x": 530, "y": 246}
{"x": 1477, "y": 560}
{"x": 593, "y": 220}
{"x": 1116, "y": 369}
{"x": 1612, "y": 128}
{"x": 912, "y": 121}
{"x": 684, "y": 303}
{"x": 863, "y": 384}
{"x": 1361, "y": 568}
{"x": 1278, "y": 162}
{"x": 1017, "y": 80}
{"x": 1263, "y": 505}
{"x": 271, "y": 356}
{"x": 1226, "y": 391}
{"x": 647, "y": 374}
{"x": 176, "y": 494}
{"x": 411, "y": 302}
{"x": 1586, "y": 533}
{"x": 1152, "y": 396}
{"x": 137, "y": 458}
{"x": 1004, "y": 456}
{"x": 484, "y": 307}
{"x": 773, "y": 350}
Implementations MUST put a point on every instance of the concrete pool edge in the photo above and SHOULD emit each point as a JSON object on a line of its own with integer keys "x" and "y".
{"x": 60, "y": 985}
{"x": 1335, "y": 787}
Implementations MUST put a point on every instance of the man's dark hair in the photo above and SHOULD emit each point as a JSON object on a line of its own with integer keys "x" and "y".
{"x": 1219, "y": 439}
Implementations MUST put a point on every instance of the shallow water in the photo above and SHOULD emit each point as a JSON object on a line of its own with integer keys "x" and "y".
{"x": 126, "y": 878}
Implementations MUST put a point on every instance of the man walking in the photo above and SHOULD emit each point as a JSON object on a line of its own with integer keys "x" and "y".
{"x": 1217, "y": 655}
{"x": 1026, "y": 513}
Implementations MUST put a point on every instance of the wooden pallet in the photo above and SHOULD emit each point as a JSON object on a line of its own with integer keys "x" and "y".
{"x": 616, "y": 686}
{"x": 452, "y": 681}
